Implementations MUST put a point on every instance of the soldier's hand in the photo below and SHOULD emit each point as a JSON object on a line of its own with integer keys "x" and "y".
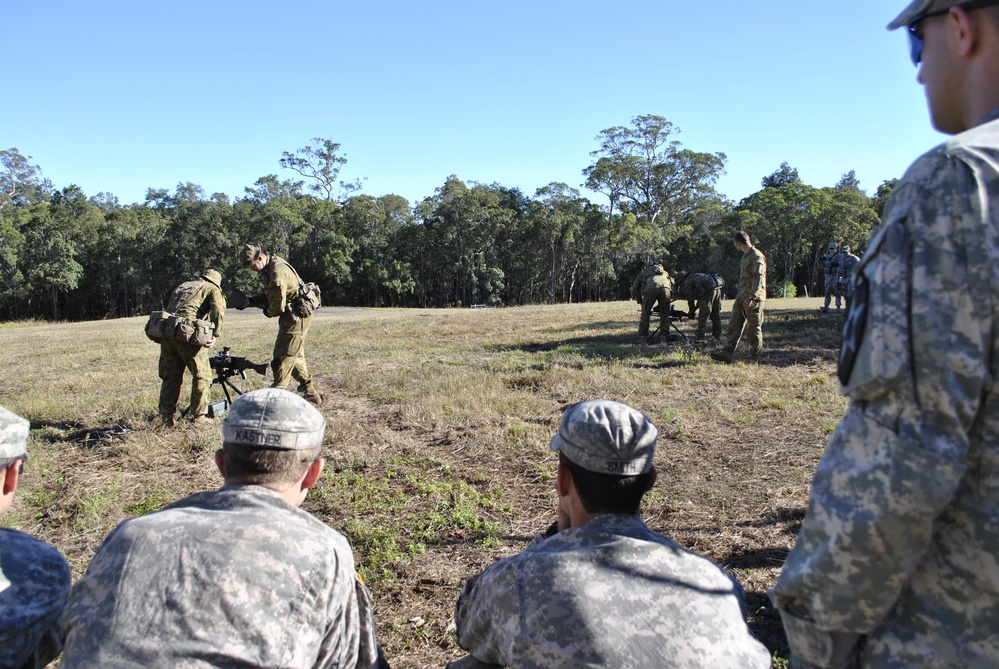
{"x": 211, "y": 342}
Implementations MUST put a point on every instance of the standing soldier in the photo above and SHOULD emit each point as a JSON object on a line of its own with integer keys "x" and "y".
{"x": 198, "y": 299}
{"x": 846, "y": 268}
{"x": 831, "y": 262}
{"x": 282, "y": 286}
{"x": 653, "y": 288}
{"x": 747, "y": 311}
{"x": 703, "y": 293}
{"x": 895, "y": 564}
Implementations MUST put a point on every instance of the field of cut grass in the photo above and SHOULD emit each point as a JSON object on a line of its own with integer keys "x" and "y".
{"x": 437, "y": 439}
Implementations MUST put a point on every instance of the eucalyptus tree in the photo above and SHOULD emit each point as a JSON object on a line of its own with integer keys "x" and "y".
{"x": 21, "y": 183}
{"x": 378, "y": 275}
{"x": 321, "y": 163}
{"x": 645, "y": 171}
{"x": 461, "y": 264}
{"x": 57, "y": 235}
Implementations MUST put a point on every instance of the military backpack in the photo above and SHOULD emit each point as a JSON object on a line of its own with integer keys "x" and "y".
{"x": 164, "y": 325}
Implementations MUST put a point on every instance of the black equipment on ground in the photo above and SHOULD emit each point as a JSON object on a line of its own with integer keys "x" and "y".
{"x": 674, "y": 314}
{"x": 227, "y": 366}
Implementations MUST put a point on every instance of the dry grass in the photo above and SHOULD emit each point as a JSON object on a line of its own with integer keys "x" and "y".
{"x": 438, "y": 424}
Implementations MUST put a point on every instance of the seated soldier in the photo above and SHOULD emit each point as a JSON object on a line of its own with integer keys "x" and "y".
{"x": 34, "y": 576}
{"x": 235, "y": 577}
{"x": 599, "y": 588}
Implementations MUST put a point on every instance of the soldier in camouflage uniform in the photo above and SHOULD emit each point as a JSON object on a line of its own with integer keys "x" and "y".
{"x": 653, "y": 289}
{"x": 281, "y": 286}
{"x": 703, "y": 293}
{"x": 846, "y": 269}
{"x": 34, "y": 576}
{"x": 201, "y": 298}
{"x": 747, "y": 310}
{"x": 831, "y": 262}
{"x": 599, "y": 588}
{"x": 236, "y": 577}
{"x": 896, "y": 561}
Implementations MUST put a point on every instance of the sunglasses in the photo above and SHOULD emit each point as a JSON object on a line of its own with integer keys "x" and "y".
{"x": 916, "y": 40}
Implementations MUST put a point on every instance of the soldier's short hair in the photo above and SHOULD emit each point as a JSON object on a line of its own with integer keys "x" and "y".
{"x": 607, "y": 493}
{"x": 266, "y": 466}
{"x": 742, "y": 237}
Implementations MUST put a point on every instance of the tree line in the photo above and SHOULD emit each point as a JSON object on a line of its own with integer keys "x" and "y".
{"x": 65, "y": 255}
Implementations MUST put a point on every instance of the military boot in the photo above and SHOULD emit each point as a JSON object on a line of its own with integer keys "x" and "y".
{"x": 313, "y": 395}
{"x": 721, "y": 356}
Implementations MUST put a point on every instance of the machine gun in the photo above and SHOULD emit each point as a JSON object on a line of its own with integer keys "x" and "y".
{"x": 674, "y": 314}
{"x": 227, "y": 366}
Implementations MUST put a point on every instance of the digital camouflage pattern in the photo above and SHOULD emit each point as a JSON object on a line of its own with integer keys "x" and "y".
{"x": 281, "y": 286}
{"x": 611, "y": 593}
{"x": 846, "y": 269}
{"x": 273, "y": 418}
{"x": 896, "y": 559}
{"x": 13, "y": 434}
{"x": 34, "y": 584}
{"x": 748, "y": 320}
{"x": 832, "y": 264}
{"x": 703, "y": 293}
{"x": 198, "y": 299}
{"x": 232, "y": 577}
{"x": 606, "y": 437}
{"x": 656, "y": 293}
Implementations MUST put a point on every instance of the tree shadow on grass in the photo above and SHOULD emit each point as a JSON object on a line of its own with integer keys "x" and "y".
{"x": 790, "y": 337}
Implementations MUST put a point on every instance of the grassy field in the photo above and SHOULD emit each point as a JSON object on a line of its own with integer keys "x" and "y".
{"x": 437, "y": 439}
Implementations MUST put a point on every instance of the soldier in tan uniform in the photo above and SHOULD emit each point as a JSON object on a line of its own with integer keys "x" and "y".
{"x": 653, "y": 288}
{"x": 198, "y": 299}
{"x": 703, "y": 293}
{"x": 281, "y": 286}
{"x": 747, "y": 311}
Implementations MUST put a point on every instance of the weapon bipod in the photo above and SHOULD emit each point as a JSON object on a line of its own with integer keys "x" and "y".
{"x": 674, "y": 326}
{"x": 217, "y": 409}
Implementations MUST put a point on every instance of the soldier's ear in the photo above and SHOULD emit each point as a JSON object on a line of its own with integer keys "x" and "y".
{"x": 313, "y": 473}
{"x": 220, "y": 461}
{"x": 10, "y": 477}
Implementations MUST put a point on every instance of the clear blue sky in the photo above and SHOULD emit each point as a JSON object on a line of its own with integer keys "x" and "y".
{"x": 124, "y": 96}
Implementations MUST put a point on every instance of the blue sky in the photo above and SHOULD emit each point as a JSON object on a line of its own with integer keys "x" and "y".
{"x": 125, "y": 96}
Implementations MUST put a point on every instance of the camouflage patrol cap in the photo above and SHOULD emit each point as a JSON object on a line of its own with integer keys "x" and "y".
{"x": 915, "y": 9}
{"x": 846, "y": 247}
{"x": 607, "y": 438}
{"x": 212, "y": 276}
{"x": 249, "y": 254}
{"x": 274, "y": 418}
{"x": 13, "y": 435}
{"x": 833, "y": 245}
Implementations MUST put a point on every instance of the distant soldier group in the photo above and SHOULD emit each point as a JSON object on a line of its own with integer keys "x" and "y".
{"x": 654, "y": 289}
{"x": 194, "y": 318}
{"x": 838, "y": 264}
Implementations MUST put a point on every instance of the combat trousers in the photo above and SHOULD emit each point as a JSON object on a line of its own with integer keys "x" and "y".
{"x": 652, "y": 296}
{"x": 288, "y": 359}
{"x": 175, "y": 357}
{"x": 831, "y": 288}
{"x": 748, "y": 320}
{"x": 709, "y": 304}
